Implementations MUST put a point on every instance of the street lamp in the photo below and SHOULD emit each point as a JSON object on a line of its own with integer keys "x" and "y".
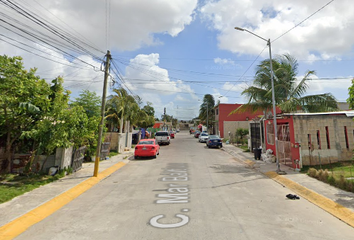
{"x": 273, "y": 96}
{"x": 207, "y": 117}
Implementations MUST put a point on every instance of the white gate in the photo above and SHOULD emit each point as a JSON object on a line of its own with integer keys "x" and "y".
{"x": 284, "y": 146}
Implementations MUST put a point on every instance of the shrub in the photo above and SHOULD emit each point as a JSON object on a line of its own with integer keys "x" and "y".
{"x": 350, "y": 186}
{"x": 312, "y": 172}
{"x": 319, "y": 174}
{"x": 342, "y": 182}
{"x": 322, "y": 175}
{"x": 331, "y": 180}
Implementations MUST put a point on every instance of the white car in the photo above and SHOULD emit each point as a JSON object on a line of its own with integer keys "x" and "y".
{"x": 203, "y": 137}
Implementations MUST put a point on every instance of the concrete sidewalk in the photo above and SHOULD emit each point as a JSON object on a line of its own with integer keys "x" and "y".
{"x": 333, "y": 200}
{"x": 27, "y": 203}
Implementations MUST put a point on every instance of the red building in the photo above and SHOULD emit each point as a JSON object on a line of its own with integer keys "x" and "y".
{"x": 225, "y": 123}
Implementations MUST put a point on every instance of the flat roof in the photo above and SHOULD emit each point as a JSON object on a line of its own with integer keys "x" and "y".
{"x": 347, "y": 113}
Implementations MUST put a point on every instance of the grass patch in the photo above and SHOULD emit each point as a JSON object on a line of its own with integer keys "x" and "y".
{"x": 340, "y": 174}
{"x": 13, "y": 185}
{"x": 113, "y": 153}
{"x": 243, "y": 147}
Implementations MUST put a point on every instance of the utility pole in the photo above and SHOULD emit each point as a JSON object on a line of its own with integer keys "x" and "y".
{"x": 100, "y": 127}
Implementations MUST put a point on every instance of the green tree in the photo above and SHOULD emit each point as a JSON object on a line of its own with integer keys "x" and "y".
{"x": 90, "y": 102}
{"x": 61, "y": 126}
{"x": 23, "y": 101}
{"x": 350, "y": 100}
{"x": 149, "y": 109}
{"x": 289, "y": 93}
{"x": 206, "y": 110}
{"x": 166, "y": 118}
{"x": 121, "y": 107}
{"x": 240, "y": 134}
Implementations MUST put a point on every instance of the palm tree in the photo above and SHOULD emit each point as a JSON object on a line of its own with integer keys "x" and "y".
{"x": 206, "y": 112}
{"x": 289, "y": 95}
{"x": 118, "y": 107}
{"x": 123, "y": 107}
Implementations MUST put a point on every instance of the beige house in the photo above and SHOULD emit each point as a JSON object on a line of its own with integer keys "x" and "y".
{"x": 312, "y": 138}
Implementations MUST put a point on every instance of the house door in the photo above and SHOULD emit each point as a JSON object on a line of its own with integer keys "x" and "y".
{"x": 284, "y": 146}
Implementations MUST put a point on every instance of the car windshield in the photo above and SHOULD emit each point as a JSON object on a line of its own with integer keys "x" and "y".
{"x": 161, "y": 134}
{"x": 213, "y": 136}
{"x": 146, "y": 142}
{"x": 204, "y": 134}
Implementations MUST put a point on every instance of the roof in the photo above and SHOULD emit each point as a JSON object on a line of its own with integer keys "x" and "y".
{"x": 347, "y": 113}
{"x": 158, "y": 125}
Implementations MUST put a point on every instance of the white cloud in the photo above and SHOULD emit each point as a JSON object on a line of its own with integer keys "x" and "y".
{"x": 131, "y": 23}
{"x": 152, "y": 83}
{"x": 223, "y": 61}
{"x": 230, "y": 87}
{"x": 328, "y": 32}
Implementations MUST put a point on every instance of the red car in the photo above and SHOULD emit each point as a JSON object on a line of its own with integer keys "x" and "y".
{"x": 172, "y": 134}
{"x": 146, "y": 148}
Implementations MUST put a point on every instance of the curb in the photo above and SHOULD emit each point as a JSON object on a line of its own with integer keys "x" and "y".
{"x": 342, "y": 213}
{"x": 21, "y": 224}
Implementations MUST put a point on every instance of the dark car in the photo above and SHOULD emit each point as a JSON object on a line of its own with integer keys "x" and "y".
{"x": 214, "y": 141}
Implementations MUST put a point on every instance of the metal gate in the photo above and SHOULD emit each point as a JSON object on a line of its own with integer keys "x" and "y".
{"x": 105, "y": 148}
{"x": 284, "y": 146}
{"x": 78, "y": 158}
{"x": 255, "y": 136}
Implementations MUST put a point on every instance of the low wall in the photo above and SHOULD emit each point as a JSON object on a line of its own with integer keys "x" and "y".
{"x": 120, "y": 141}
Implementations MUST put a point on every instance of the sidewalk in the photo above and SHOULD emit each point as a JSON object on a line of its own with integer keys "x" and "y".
{"x": 29, "y": 202}
{"x": 333, "y": 200}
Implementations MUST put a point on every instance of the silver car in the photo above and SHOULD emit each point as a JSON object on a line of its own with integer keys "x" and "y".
{"x": 203, "y": 137}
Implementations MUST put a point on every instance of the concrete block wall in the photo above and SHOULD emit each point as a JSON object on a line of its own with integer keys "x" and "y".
{"x": 304, "y": 125}
{"x": 232, "y": 126}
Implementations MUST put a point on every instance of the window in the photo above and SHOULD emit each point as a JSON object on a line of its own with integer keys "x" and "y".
{"x": 217, "y": 111}
{"x": 270, "y": 133}
{"x": 161, "y": 134}
{"x": 346, "y": 137}
{"x": 327, "y": 138}
{"x": 318, "y": 140}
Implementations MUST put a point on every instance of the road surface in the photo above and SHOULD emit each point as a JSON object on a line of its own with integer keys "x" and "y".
{"x": 188, "y": 192}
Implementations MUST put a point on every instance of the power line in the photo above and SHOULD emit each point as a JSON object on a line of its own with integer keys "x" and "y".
{"x": 303, "y": 20}
{"x": 247, "y": 69}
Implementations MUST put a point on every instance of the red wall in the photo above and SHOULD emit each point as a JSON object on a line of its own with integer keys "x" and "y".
{"x": 295, "y": 153}
{"x": 224, "y": 111}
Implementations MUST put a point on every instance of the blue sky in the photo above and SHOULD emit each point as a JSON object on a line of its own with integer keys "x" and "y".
{"x": 172, "y": 53}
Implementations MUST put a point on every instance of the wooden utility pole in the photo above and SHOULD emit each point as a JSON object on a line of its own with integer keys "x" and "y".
{"x": 103, "y": 106}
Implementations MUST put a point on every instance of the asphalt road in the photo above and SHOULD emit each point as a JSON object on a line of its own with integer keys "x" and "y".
{"x": 188, "y": 192}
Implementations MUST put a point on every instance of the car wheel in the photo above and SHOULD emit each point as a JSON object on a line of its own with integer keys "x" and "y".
{"x": 154, "y": 156}
{"x": 135, "y": 157}
{"x": 219, "y": 146}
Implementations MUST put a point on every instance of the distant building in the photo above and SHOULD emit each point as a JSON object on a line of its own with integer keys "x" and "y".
{"x": 225, "y": 123}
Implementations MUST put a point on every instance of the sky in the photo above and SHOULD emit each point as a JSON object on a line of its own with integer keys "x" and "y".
{"x": 172, "y": 53}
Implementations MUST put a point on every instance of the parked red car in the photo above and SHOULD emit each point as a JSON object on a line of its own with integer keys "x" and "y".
{"x": 146, "y": 148}
{"x": 172, "y": 134}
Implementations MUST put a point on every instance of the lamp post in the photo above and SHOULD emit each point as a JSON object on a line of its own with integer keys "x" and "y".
{"x": 207, "y": 117}
{"x": 273, "y": 96}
